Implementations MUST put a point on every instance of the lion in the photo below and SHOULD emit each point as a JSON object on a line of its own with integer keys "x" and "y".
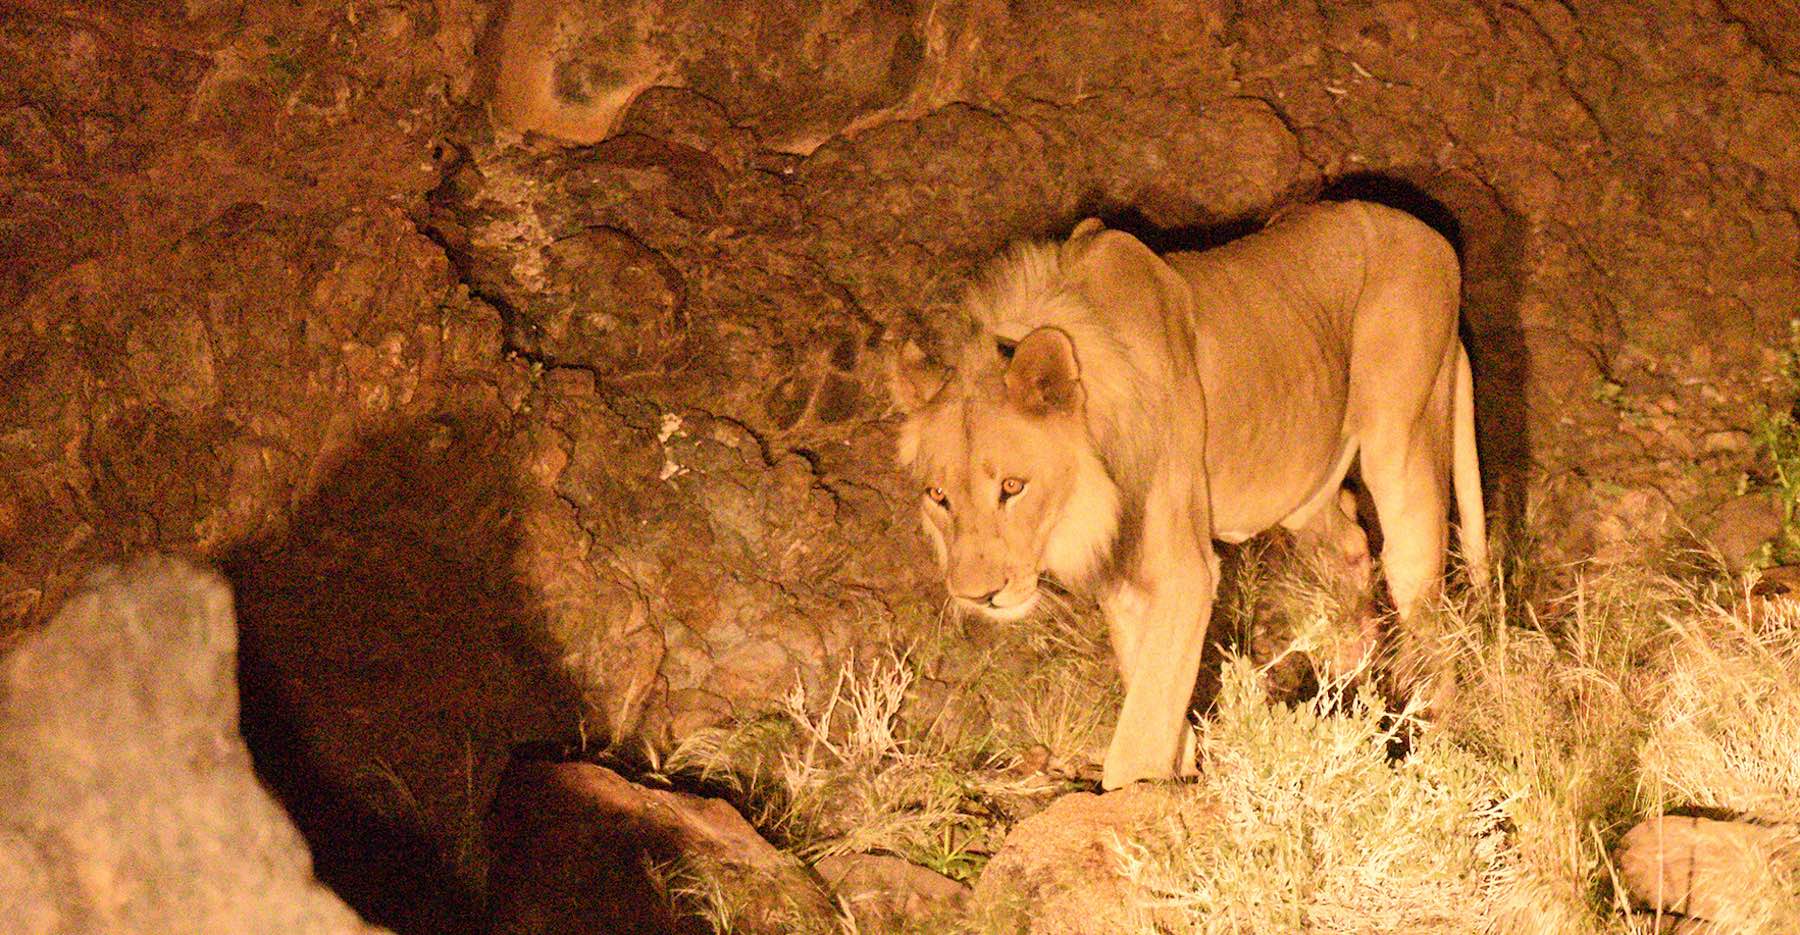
{"x": 1114, "y": 412}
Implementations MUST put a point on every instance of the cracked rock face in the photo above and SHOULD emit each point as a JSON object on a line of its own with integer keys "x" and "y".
{"x": 801, "y": 72}
{"x": 245, "y": 246}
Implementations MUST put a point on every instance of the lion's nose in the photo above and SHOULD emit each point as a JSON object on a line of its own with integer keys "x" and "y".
{"x": 983, "y": 599}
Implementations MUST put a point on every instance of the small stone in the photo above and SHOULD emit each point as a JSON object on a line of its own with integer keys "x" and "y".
{"x": 1629, "y": 522}
{"x": 1780, "y": 581}
{"x": 1776, "y": 591}
{"x": 885, "y": 893}
{"x": 1033, "y": 761}
{"x": 752, "y": 669}
{"x": 1728, "y": 441}
{"x": 1740, "y": 527}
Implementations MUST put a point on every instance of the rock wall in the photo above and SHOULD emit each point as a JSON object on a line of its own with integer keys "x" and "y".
{"x": 211, "y": 276}
{"x": 631, "y": 266}
{"x": 1621, "y": 177}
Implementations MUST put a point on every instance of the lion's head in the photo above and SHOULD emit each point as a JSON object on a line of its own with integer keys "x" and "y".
{"x": 1010, "y": 483}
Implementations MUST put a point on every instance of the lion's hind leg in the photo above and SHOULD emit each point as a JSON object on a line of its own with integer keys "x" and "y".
{"x": 1412, "y": 508}
{"x": 1338, "y": 549}
{"x": 1405, "y": 465}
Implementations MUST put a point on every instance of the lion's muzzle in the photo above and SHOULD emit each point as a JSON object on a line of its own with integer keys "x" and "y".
{"x": 994, "y": 595}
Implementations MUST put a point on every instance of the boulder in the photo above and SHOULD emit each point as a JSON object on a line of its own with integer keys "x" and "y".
{"x": 1059, "y": 870}
{"x": 579, "y": 848}
{"x": 1739, "y": 528}
{"x": 131, "y": 805}
{"x": 1706, "y": 869}
{"x": 885, "y": 893}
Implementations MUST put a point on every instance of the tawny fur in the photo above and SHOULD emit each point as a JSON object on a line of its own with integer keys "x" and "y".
{"x": 1141, "y": 406}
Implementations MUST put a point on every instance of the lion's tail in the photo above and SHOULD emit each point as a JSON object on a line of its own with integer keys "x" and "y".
{"x": 1465, "y": 474}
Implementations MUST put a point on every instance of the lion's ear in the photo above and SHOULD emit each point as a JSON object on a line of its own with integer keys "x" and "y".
{"x": 1080, "y": 238}
{"x": 1043, "y": 377}
{"x": 913, "y": 379}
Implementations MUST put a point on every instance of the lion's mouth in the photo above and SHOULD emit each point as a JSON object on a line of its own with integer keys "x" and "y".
{"x": 1003, "y": 607}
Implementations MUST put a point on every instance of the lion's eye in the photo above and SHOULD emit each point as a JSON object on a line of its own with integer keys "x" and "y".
{"x": 1010, "y": 488}
{"x": 936, "y": 495}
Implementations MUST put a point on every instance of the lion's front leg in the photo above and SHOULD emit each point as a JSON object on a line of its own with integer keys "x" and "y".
{"x": 1160, "y": 636}
{"x": 1124, "y": 607}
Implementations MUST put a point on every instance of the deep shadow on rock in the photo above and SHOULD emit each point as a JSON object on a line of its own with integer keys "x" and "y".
{"x": 558, "y": 866}
{"x": 387, "y": 671}
{"x": 578, "y": 848}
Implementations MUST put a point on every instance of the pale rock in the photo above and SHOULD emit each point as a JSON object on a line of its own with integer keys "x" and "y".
{"x": 1633, "y": 521}
{"x": 1727, "y": 441}
{"x": 1741, "y": 526}
{"x": 1703, "y": 869}
{"x": 1062, "y": 866}
{"x": 884, "y": 892}
{"x": 131, "y": 806}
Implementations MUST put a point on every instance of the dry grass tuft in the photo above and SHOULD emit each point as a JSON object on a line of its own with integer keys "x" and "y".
{"x": 1581, "y": 709}
{"x": 1303, "y": 822}
{"x": 729, "y": 897}
{"x": 1560, "y": 704}
{"x": 846, "y": 774}
{"x": 1727, "y": 727}
{"x": 1053, "y": 685}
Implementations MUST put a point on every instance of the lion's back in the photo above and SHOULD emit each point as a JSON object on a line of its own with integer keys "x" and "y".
{"x": 1300, "y": 279}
